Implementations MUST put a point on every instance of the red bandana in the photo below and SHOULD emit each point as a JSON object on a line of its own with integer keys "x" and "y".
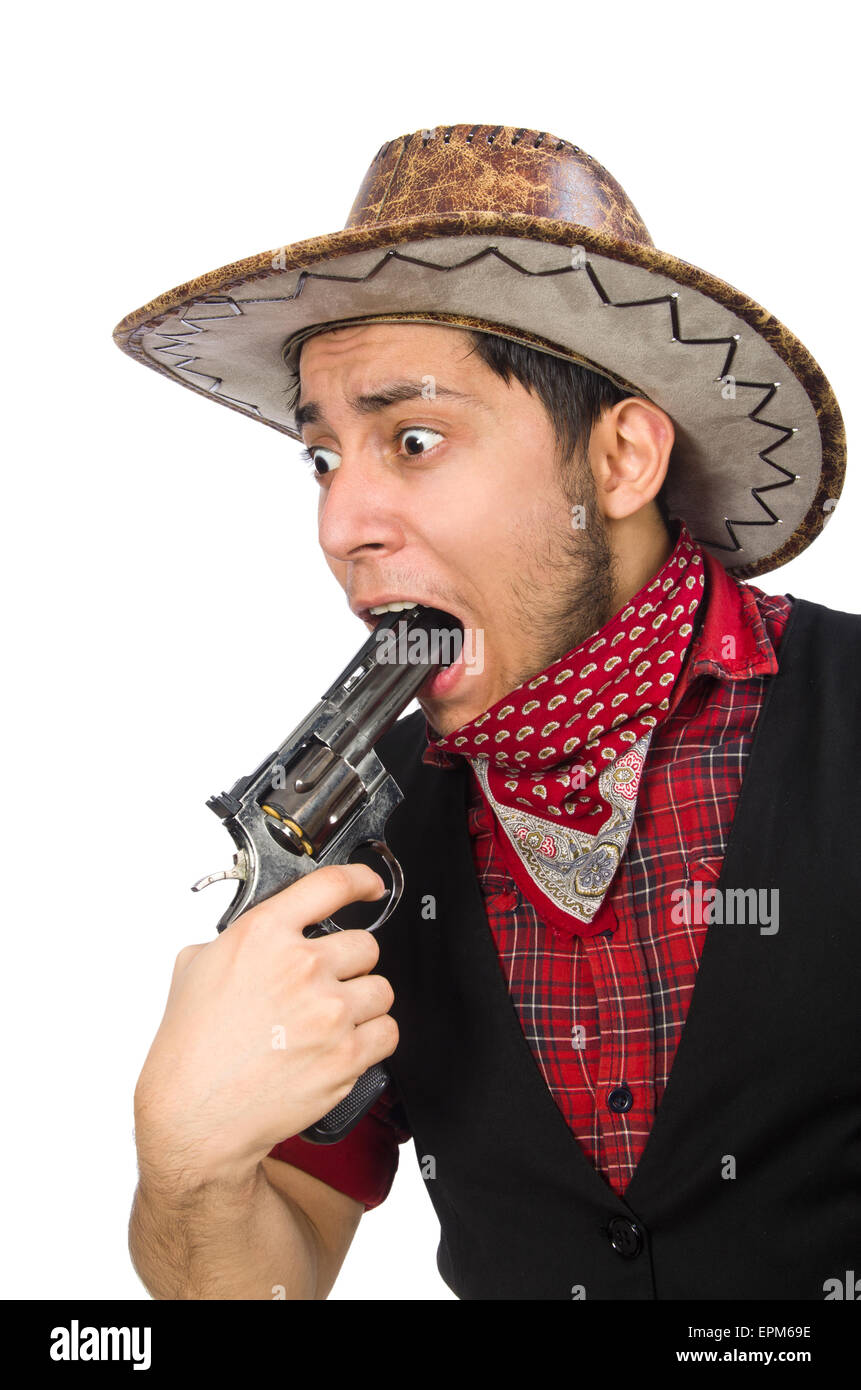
{"x": 559, "y": 758}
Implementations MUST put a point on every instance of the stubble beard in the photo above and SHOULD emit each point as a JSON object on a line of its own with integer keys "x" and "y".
{"x": 574, "y": 572}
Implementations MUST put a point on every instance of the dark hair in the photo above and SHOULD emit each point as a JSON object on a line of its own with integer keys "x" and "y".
{"x": 574, "y": 397}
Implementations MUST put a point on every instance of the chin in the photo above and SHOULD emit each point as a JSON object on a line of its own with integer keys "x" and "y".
{"x": 446, "y": 715}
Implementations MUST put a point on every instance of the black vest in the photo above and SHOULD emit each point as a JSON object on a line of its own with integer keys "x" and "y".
{"x": 768, "y": 1068}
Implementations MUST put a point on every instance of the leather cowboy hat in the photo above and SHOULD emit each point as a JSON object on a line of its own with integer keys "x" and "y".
{"x": 516, "y": 232}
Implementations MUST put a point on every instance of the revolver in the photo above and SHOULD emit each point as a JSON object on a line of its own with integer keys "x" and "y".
{"x": 324, "y": 797}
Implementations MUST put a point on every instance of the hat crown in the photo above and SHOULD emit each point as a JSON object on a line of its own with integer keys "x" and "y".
{"x": 500, "y": 169}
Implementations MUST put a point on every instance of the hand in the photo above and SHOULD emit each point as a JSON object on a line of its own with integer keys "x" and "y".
{"x": 264, "y": 1032}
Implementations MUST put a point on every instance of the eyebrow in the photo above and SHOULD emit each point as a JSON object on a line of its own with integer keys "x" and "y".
{"x": 311, "y": 413}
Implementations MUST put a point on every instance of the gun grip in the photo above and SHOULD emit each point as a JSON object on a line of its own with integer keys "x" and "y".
{"x": 370, "y": 1086}
{"x": 349, "y": 1111}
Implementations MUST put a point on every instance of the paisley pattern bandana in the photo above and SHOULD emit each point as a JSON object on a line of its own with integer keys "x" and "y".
{"x": 559, "y": 759}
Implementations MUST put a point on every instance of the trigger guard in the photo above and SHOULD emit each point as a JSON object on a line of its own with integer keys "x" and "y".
{"x": 397, "y": 873}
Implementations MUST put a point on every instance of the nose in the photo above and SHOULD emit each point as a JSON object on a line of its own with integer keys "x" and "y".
{"x": 358, "y": 511}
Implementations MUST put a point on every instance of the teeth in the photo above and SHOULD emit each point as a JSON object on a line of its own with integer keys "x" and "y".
{"x": 396, "y": 607}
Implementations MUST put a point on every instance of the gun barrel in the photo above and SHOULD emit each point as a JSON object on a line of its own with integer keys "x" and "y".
{"x": 388, "y": 670}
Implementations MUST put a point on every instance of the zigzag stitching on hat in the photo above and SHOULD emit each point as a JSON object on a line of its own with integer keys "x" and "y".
{"x": 174, "y": 342}
{"x": 770, "y": 388}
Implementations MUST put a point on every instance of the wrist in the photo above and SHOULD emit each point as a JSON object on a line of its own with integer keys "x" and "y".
{"x": 178, "y": 1165}
{"x": 182, "y": 1186}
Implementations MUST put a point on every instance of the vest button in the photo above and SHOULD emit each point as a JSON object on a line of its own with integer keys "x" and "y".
{"x": 620, "y": 1099}
{"x": 625, "y": 1237}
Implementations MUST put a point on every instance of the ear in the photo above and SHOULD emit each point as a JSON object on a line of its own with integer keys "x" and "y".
{"x": 629, "y": 451}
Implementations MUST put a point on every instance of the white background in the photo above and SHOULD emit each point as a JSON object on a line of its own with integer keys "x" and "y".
{"x": 168, "y": 615}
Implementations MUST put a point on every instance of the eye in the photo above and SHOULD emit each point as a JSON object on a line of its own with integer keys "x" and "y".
{"x": 322, "y": 461}
{"x": 319, "y": 463}
{"x": 413, "y": 443}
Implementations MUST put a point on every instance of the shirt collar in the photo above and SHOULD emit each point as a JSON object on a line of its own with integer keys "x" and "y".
{"x": 732, "y": 643}
{"x": 731, "y": 612}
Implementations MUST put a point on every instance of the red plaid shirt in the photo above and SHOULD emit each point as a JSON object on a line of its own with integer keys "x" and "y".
{"x": 607, "y": 1011}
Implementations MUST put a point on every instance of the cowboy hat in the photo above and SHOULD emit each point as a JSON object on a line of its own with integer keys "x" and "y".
{"x": 518, "y": 233}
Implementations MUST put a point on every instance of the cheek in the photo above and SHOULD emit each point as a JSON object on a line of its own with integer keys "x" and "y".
{"x": 511, "y": 502}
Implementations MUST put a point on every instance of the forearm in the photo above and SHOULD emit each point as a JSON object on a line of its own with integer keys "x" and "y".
{"x": 222, "y": 1241}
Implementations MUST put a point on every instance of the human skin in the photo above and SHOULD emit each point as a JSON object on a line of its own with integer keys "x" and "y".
{"x": 479, "y": 522}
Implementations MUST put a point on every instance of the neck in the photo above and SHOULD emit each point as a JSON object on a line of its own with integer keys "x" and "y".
{"x": 641, "y": 544}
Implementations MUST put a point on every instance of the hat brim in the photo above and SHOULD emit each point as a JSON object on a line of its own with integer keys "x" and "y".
{"x": 759, "y": 459}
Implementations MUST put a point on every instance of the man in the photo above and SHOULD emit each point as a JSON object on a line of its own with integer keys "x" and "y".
{"x": 617, "y": 999}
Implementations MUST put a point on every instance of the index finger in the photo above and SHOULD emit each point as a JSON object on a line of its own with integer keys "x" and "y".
{"x": 316, "y": 895}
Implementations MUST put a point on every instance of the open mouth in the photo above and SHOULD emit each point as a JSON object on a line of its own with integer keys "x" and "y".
{"x": 443, "y": 677}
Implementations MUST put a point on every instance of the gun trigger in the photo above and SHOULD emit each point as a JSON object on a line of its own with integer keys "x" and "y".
{"x": 239, "y": 870}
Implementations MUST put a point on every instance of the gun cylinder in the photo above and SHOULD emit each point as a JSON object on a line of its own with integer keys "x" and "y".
{"x": 322, "y": 791}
